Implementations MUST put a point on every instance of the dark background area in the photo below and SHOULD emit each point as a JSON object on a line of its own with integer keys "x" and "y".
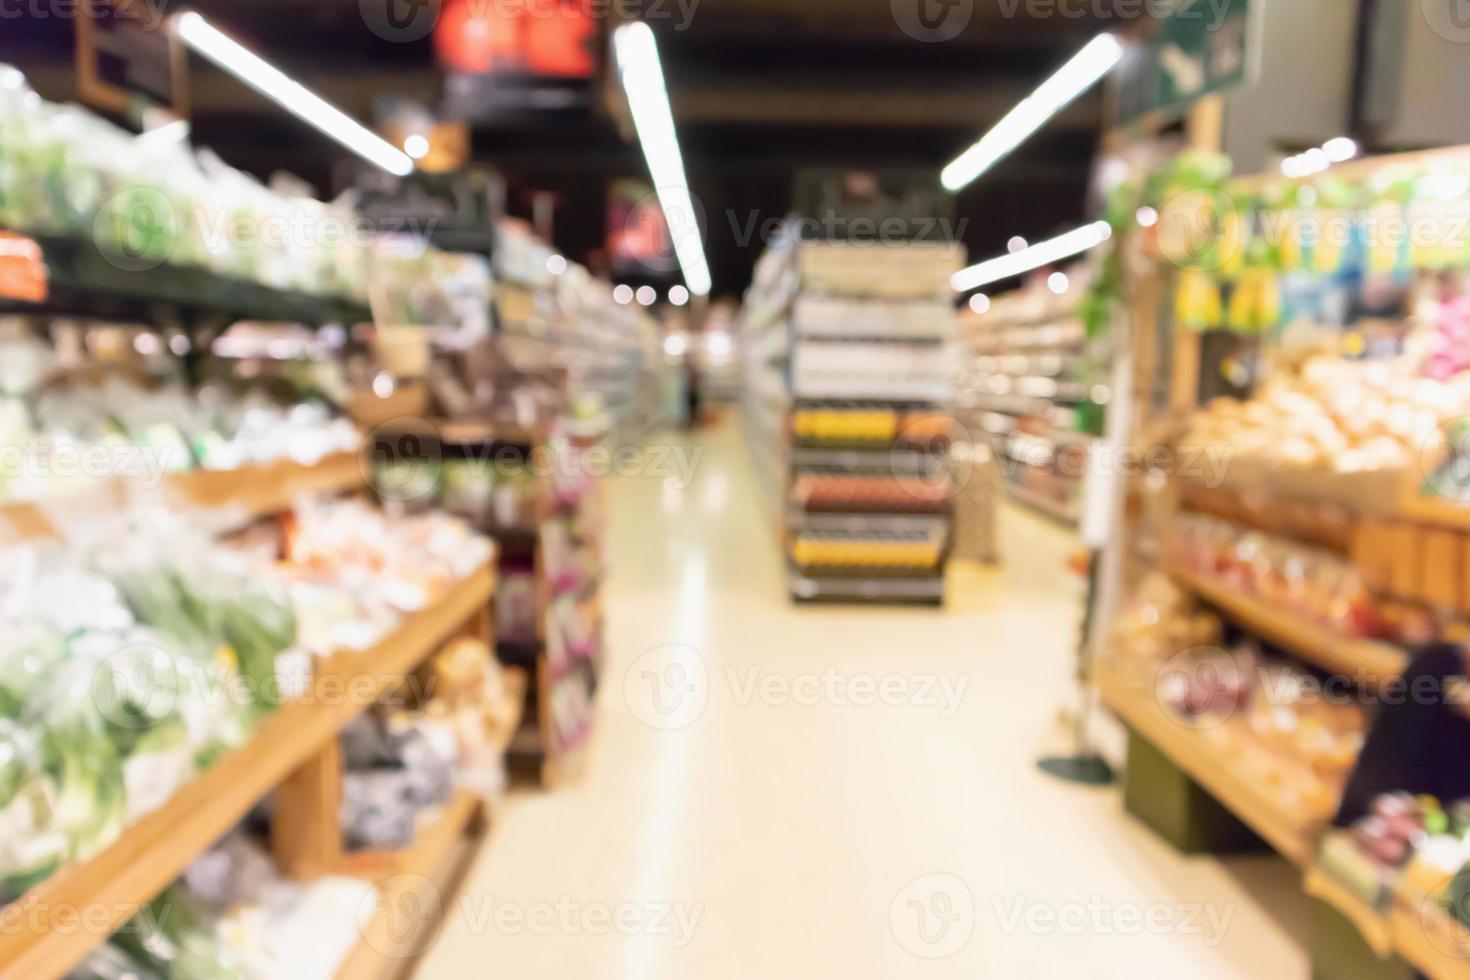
{"x": 760, "y": 89}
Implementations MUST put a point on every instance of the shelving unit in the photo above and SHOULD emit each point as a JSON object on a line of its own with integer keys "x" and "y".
{"x": 1019, "y": 392}
{"x": 1369, "y": 660}
{"x": 847, "y": 409}
{"x": 84, "y": 282}
{"x": 249, "y": 492}
{"x": 152, "y": 852}
{"x": 1219, "y": 769}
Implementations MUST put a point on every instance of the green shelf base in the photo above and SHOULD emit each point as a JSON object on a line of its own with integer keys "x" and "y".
{"x": 1339, "y": 953}
{"x": 1164, "y": 798}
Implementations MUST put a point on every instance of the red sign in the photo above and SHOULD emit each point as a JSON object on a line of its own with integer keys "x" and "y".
{"x": 22, "y": 269}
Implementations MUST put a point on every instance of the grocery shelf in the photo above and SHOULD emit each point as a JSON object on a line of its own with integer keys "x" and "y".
{"x": 876, "y": 522}
{"x": 885, "y": 458}
{"x": 927, "y": 589}
{"x": 250, "y": 492}
{"x": 431, "y": 843}
{"x": 153, "y": 851}
{"x": 1365, "y": 661}
{"x": 1213, "y": 766}
{"x": 1372, "y": 926}
{"x": 1432, "y": 942}
{"x": 84, "y": 282}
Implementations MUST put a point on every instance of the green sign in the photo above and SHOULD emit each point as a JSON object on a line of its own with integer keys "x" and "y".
{"x": 1198, "y": 48}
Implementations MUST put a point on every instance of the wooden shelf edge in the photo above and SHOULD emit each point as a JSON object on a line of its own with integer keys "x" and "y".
{"x": 113, "y": 885}
{"x": 431, "y": 845}
{"x": 1292, "y": 838}
{"x": 1373, "y": 927}
{"x": 1411, "y": 929}
{"x": 1371, "y": 661}
{"x": 255, "y": 490}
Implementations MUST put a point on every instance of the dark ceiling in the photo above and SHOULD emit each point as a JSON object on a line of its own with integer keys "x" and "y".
{"x": 760, "y": 89}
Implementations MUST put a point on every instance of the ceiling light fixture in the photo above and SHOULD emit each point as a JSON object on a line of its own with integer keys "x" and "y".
{"x": 1078, "y": 75}
{"x": 1042, "y": 253}
{"x": 648, "y": 100}
{"x": 289, "y": 94}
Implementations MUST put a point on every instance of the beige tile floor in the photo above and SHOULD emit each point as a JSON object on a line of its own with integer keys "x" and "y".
{"x": 771, "y": 823}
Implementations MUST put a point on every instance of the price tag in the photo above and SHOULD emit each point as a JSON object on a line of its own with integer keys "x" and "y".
{"x": 22, "y": 269}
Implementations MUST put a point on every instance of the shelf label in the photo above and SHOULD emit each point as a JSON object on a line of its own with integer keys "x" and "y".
{"x": 22, "y": 269}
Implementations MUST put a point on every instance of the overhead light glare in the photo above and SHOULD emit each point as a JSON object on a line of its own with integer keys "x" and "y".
{"x": 1079, "y": 74}
{"x": 1063, "y": 246}
{"x": 288, "y": 93}
{"x": 648, "y": 101}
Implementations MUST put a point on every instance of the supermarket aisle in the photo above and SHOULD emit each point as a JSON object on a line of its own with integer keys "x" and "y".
{"x": 793, "y": 828}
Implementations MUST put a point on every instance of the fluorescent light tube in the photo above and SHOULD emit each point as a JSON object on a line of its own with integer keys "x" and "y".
{"x": 289, "y": 94}
{"x": 648, "y": 100}
{"x": 1078, "y": 75}
{"x": 1042, "y": 253}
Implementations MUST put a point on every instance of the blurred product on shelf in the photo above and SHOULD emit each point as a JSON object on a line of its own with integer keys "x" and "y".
{"x": 1030, "y": 390}
{"x": 234, "y": 914}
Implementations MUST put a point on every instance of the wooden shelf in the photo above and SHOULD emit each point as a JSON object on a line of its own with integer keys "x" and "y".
{"x": 1373, "y": 926}
{"x": 251, "y": 491}
{"x": 1432, "y": 942}
{"x": 432, "y": 843}
{"x": 1369, "y": 661}
{"x": 152, "y": 852}
{"x": 85, "y": 282}
{"x": 1219, "y": 771}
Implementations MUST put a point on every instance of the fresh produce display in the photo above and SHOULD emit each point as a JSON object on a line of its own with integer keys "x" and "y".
{"x": 1333, "y": 415}
{"x": 1268, "y": 715}
{"x": 1415, "y": 848}
{"x": 120, "y": 686}
{"x": 124, "y": 422}
{"x": 233, "y": 916}
{"x": 1308, "y": 581}
{"x": 152, "y": 199}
